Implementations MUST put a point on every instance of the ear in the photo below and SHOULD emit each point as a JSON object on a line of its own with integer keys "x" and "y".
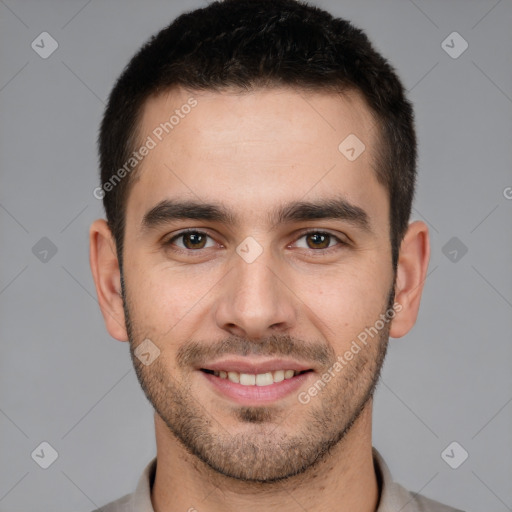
{"x": 107, "y": 278}
{"x": 411, "y": 274}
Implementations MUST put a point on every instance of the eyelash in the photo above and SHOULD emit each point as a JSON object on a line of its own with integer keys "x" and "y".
{"x": 169, "y": 243}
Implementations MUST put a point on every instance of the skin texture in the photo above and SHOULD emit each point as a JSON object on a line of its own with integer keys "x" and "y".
{"x": 303, "y": 297}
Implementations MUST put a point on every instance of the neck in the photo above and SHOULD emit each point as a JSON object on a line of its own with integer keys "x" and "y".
{"x": 344, "y": 481}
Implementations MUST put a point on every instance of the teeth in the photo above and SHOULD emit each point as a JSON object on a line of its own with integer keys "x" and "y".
{"x": 262, "y": 379}
{"x": 246, "y": 379}
{"x": 278, "y": 375}
{"x": 233, "y": 376}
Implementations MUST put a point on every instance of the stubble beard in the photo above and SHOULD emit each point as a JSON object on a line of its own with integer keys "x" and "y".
{"x": 259, "y": 449}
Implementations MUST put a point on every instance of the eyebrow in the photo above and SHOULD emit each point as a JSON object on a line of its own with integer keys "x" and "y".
{"x": 337, "y": 208}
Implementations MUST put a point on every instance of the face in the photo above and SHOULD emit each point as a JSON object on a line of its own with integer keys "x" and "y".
{"x": 276, "y": 258}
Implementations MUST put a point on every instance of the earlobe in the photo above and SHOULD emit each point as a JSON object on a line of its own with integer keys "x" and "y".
{"x": 411, "y": 274}
{"x": 107, "y": 278}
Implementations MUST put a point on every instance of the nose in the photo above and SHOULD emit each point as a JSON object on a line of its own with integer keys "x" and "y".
{"x": 255, "y": 300}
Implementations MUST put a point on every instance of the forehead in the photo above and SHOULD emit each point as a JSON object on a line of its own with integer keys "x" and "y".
{"x": 273, "y": 115}
{"x": 255, "y": 149}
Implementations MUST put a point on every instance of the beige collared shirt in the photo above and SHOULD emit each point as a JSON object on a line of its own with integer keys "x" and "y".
{"x": 393, "y": 498}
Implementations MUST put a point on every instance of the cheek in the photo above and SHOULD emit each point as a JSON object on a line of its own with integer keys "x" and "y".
{"x": 164, "y": 295}
{"x": 346, "y": 303}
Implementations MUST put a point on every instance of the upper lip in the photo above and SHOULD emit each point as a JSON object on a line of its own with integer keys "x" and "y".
{"x": 255, "y": 367}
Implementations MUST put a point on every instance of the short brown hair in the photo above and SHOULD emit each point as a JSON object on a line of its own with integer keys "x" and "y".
{"x": 262, "y": 43}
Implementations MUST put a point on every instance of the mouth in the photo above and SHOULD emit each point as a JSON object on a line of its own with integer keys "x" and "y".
{"x": 251, "y": 384}
{"x": 259, "y": 379}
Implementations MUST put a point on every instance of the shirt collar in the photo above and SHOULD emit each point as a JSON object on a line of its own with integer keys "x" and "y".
{"x": 393, "y": 497}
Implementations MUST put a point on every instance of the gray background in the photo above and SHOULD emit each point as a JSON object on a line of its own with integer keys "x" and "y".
{"x": 65, "y": 381}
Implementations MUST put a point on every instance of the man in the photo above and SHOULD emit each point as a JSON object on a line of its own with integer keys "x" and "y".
{"x": 258, "y": 169}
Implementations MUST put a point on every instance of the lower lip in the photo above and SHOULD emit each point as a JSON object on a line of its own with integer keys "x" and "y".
{"x": 253, "y": 395}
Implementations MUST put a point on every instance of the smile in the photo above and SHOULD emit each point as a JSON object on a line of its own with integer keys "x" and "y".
{"x": 260, "y": 379}
{"x": 251, "y": 389}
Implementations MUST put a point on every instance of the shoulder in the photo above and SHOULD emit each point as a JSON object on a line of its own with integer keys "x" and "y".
{"x": 394, "y": 497}
{"x": 412, "y": 502}
{"x": 140, "y": 499}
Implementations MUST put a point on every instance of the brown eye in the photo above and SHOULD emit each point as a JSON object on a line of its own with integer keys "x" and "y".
{"x": 191, "y": 240}
{"x": 319, "y": 240}
{"x": 194, "y": 240}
